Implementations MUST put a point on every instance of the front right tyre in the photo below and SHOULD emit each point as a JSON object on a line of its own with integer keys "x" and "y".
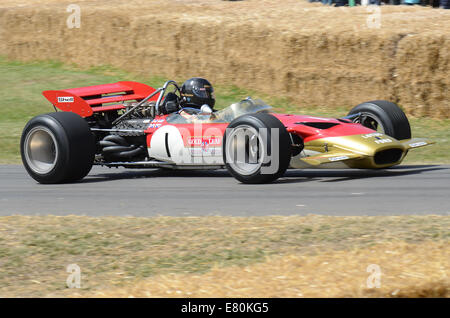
{"x": 57, "y": 148}
{"x": 383, "y": 116}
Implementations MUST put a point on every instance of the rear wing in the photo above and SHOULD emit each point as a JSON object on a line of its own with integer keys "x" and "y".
{"x": 99, "y": 98}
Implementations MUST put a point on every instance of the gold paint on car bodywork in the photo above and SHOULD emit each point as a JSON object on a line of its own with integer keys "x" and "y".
{"x": 355, "y": 151}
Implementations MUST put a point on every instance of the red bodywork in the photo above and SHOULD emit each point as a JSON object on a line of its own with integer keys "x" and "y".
{"x": 99, "y": 98}
{"x": 310, "y": 133}
{"x": 86, "y": 101}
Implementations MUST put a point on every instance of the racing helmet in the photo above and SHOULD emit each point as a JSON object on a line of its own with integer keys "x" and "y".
{"x": 197, "y": 91}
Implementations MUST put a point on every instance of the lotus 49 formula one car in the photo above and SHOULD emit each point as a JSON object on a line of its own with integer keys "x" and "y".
{"x": 127, "y": 124}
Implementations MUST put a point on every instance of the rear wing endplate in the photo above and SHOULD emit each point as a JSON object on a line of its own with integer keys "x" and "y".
{"x": 99, "y": 98}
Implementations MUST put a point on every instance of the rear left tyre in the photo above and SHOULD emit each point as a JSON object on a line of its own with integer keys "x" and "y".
{"x": 57, "y": 148}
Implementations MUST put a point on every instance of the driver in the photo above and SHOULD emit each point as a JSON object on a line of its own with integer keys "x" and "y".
{"x": 197, "y": 98}
{"x": 197, "y": 92}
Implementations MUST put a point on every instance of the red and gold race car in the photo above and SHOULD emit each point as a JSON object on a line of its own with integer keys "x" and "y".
{"x": 131, "y": 125}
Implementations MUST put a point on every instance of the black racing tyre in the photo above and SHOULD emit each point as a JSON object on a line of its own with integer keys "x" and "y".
{"x": 385, "y": 117}
{"x": 57, "y": 148}
{"x": 247, "y": 150}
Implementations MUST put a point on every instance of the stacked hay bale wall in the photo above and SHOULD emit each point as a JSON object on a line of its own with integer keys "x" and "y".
{"x": 314, "y": 54}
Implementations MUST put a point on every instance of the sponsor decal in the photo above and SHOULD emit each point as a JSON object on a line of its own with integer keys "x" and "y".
{"x": 418, "y": 144}
{"x": 204, "y": 141}
{"x": 65, "y": 99}
{"x": 338, "y": 158}
{"x": 205, "y": 146}
{"x": 208, "y": 152}
{"x": 372, "y": 135}
{"x": 383, "y": 141}
{"x": 156, "y": 123}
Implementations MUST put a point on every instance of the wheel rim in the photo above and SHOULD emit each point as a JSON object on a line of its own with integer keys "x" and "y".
{"x": 370, "y": 121}
{"x": 244, "y": 150}
{"x": 41, "y": 150}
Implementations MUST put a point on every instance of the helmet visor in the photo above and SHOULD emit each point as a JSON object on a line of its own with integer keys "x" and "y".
{"x": 204, "y": 92}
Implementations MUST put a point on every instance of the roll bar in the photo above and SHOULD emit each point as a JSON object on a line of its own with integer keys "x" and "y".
{"x": 161, "y": 90}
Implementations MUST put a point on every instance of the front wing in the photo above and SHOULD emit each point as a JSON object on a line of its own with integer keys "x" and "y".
{"x": 327, "y": 152}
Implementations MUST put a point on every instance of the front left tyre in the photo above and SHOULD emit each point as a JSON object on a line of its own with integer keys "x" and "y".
{"x": 57, "y": 148}
{"x": 256, "y": 148}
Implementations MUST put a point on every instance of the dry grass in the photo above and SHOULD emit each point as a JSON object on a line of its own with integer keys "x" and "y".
{"x": 117, "y": 253}
{"x": 315, "y": 54}
{"x": 407, "y": 270}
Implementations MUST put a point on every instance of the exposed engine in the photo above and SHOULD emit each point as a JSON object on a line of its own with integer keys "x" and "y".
{"x": 121, "y": 134}
{"x": 127, "y": 138}
{"x": 115, "y": 147}
{"x": 144, "y": 110}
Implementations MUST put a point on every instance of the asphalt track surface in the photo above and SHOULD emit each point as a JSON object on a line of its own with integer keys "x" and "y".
{"x": 419, "y": 189}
